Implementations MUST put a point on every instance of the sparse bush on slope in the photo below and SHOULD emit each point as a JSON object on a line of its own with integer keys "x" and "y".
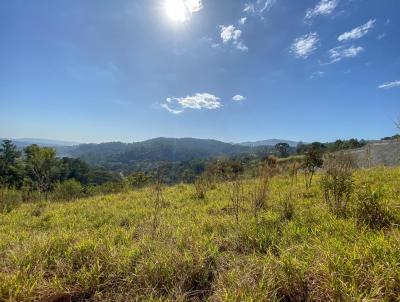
{"x": 337, "y": 182}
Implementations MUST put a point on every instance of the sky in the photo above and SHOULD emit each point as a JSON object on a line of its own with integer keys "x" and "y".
{"x": 130, "y": 70}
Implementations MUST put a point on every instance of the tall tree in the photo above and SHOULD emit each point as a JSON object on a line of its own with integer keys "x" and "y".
{"x": 41, "y": 167}
{"x": 11, "y": 173}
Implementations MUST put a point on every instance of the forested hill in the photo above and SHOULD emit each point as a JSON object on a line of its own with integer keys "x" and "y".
{"x": 159, "y": 149}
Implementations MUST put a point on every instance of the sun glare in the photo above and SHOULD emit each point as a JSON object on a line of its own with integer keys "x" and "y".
{"x": 176, "y": 10}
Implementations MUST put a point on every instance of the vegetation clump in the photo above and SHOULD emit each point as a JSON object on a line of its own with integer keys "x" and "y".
{"x": 337, "y": 182}
{"x": 372, "y": 211}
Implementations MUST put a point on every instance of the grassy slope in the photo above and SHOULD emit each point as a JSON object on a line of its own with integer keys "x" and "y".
{"x": 105, "y": 249}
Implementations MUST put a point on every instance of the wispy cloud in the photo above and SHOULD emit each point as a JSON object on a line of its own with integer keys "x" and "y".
{"x": 267, "y": 5}
{"x": 389, "y": 85}
{"x": 241, "y": 46}
{"x": 304, "y": 46}
{"x": 381, "y": 36}
{"x": 249, "y": 8}
{"x": 317, "y": 74}
{"x": 323, "y": 8}
{"x": 230, "y": 34}
{"x": 198, "y": 101}
{"x": 357, "y": 32}
{"x": 238, "y": 98}
{"x": 339, "y": 53}
{"x": 169, "y": 109}
{"x": 242, "y": 21}
{"x": 258, "y": 7}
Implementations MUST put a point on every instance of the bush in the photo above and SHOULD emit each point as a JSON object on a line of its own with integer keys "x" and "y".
{"x": 337, "y": 182}
{"x": 9, "y": 199}
{"x": 68, "y": 190}
{"x": 371, "y": 211}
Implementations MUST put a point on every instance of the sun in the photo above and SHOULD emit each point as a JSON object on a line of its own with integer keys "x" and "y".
{"x": 176, "y": 10}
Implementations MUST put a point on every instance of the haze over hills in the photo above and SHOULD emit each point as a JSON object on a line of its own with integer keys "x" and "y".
{"x": 23, "y": 142}
{"x": 269, "y": 142}
{"x": 158, "y": 149}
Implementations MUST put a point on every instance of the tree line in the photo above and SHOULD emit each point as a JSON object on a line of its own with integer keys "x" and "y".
{"x": 39, "y": 169}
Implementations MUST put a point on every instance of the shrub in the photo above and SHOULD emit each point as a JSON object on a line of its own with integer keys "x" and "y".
{"x": 68, "y": 190}
{"x": 337, "y": 182}
{"x": 371, "y": 211}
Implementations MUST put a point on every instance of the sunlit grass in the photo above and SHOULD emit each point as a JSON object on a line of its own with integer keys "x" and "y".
{"x": 105, "y": 248}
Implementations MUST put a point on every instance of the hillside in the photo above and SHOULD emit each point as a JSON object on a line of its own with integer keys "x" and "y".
{"x": 130, "y": 247}
{"x": 159, "y": 149}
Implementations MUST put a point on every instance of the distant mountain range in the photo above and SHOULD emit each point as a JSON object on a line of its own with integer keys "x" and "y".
{"x": 118, "y": 156}
{"x": 23, "y": 142}
{"x": 269, "y": 142}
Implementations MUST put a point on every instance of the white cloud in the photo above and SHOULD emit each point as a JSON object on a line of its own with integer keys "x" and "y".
{"x": 215, "y": 45}
{"x": 198, "y": 101}
{"x": 238, "y": 98}
{"x": 304, "y": 46}
{"x": 339, "y": 53}
{"x": 242, "y": 21}
{"x": 389, "y": 85}
{"x": 230, "y": 34}
{"x": 357, "y": 32}
{"x": 323, "y": 8}
{"x": 182, "y": 10}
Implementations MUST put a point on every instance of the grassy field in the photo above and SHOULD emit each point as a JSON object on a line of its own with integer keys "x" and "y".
{"x": 124, "y": 248}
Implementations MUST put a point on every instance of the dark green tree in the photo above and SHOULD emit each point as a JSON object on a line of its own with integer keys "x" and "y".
{"x": 313, "y": 160}
{"x": 11, "y": 169}
{"x": 283, "y": 149}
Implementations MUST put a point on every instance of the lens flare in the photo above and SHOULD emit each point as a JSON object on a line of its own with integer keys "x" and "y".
{"x": 176, "y": 10}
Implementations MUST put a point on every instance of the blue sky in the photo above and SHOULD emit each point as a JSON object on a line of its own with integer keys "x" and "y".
{"x": 129, "y": 70}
